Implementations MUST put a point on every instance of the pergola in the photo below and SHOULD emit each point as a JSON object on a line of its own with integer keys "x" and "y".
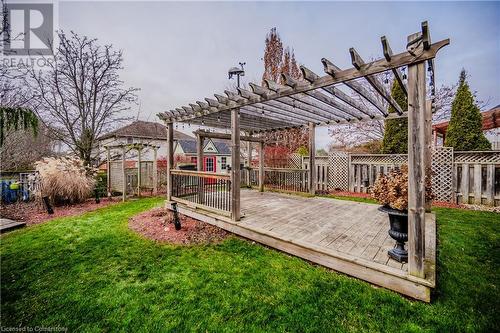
{"x": 317, "y": 100}
{"x": 124, "y": 148}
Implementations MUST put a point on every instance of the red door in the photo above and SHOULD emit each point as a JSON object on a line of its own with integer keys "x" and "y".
{"x": 209, "y": 164}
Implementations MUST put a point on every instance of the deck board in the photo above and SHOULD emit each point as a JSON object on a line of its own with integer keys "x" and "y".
{"x": 350, "y": 237}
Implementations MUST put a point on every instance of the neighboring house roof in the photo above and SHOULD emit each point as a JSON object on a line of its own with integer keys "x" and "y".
{"x": 222, "y": 147}
{"x": 491, "y": 119}
{"x": 145, "y": 129}
{"x": 189, "y": 146}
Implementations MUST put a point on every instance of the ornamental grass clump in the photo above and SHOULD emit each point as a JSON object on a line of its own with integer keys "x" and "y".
{"x": 64, "y": 180}
{"x": 392, "y": 190}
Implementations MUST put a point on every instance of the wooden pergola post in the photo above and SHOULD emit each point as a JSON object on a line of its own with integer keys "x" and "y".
{"x": 261, "y": 166}
{"x": 312, "y": 158}
{"x": 428, "y": 145}
{"x": 249, "y": 162}
{"x": 139, "y": 171}
{"x": 108, "y": 171}
{"x": 170, "y": 158}
{"x": 124, "y": 173}
{"x": 235, "y": 165}
{"x": 155, "y": 170}
{"x": 417, "y": 152}
{"x": 199, "y": 167}
{"x": 199, "y": 152}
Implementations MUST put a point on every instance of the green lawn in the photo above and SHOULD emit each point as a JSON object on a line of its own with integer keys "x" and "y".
{"x": 90, "y": 273}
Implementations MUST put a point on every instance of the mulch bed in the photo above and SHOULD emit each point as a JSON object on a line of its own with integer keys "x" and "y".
{"x": 157, "y": 224}
{"x": 34, "y": 212}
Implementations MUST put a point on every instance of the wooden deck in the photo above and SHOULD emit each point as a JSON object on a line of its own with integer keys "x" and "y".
{"x": 346, "y": 236}
{"x": 8, "y": 225}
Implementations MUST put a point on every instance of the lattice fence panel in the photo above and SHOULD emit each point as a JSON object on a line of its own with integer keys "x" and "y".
{"x": 389, "y": 159}
{"x": 442, "y": 177}
{"x": 483, "y": 157}
{"x": 295, "y": 161}
{"x": 338, "y": 171}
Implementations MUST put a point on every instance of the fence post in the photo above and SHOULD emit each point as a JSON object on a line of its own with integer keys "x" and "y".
{"x": 139, "y": 171}
{"x": 312, "y": 158}
{"x": 124, "y": 173}
{"x": 351, "y": 174}
{"x": 155, "y": 170}
{"x": 477, "y": 184}
{"x": 261, "y": 166}
{"x": 464, "y": 187}
{"x": 490, "y": 182}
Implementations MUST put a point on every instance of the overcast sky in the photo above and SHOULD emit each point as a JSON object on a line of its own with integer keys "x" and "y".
{"x": 177, "y": 53}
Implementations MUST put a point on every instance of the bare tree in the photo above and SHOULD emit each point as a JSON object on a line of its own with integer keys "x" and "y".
{"x": 81, "y": 95}
{"x": 349, "y": 135}
{"x": 277, "y": 61}
{"x": 22, "y": 148}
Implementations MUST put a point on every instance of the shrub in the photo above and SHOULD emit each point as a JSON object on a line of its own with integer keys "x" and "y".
{"x": 392, "y": 189}
{"x": 101, "y": 184}
{"x": 465, "y": 127}
{"x": 64, "y": 179}
{"x": 396, "y": 130}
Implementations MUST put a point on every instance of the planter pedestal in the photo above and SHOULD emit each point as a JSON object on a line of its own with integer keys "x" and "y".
{"x": 399, "y": 232}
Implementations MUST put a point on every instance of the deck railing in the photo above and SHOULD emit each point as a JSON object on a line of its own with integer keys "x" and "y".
{"x": 206, "y": 190}
{"x": 295, "y": 180}
{"x": 283, "y": 179}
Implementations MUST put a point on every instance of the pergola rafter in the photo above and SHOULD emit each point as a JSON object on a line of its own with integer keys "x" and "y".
{"x": 316, "y": 98}
{"x": 357, "y": 62}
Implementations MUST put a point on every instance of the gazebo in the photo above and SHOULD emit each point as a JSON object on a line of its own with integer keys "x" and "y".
{"x": 315, "y": 101}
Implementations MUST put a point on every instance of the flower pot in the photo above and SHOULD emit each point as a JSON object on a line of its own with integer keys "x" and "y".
{"x": 398, "y": 220}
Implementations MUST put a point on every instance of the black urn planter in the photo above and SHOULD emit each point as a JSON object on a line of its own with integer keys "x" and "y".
{"x": 398, "y": 220}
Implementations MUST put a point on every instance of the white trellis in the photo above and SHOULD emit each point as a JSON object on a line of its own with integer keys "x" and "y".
{"x": 442, "y": 173}
{"x": 338, "y": 175}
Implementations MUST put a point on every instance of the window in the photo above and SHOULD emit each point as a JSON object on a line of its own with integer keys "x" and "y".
{"x": 223, "y": 163}
{"x": 130, "y": 140}
{"x": 209, "y": 164}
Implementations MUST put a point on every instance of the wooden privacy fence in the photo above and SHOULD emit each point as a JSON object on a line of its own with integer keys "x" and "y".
{"x": 477, "y": 177}
{"x": 461, "y": 177}
{"x": 206, "y": 190}
{"x": 322, "y": 170}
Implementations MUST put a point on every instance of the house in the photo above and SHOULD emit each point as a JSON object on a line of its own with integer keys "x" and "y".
{"x": 491, "y": 128}
{"x": 216, "y": 154}
{"x": 140, "y": 132}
